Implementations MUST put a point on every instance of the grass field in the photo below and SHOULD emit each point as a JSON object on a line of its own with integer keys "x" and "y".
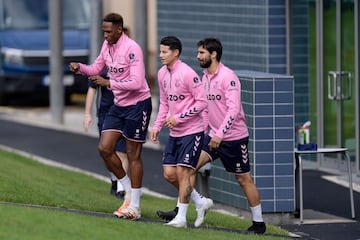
{"x": 44, "y": 202}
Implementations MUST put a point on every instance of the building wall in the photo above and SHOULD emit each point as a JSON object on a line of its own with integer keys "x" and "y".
{"x": 268, "y": 102}
{"x": 253, "y": 34}
{"x": 300, "y": 58}
{"x": 252, "y": 31}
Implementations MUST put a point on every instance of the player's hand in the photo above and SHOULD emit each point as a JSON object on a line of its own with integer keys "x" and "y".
{"x": 87, "y": 121}
{"x": 74, "y": 67}
{"x": 100, "y": 81}
{"x": 154, "y": 136}
{"x": 170, "y": 122}
{"x": 214, "y": 143}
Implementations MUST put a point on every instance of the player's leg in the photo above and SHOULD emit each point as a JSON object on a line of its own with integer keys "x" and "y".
{"x": 235, "y": 158}
{"x": 107, "y": 151}
{"x": 135, "y": 120}
{"x": 170, "y": 176}
{"x": 185, "y": 168}
{"x": 119, "y": 188}
{"x": 101, "y": 113}
{"x": 183, "y": 176}
{"x": 113, "y": 163}
{"x": 169, "y": 173}
{"x": 252, "y": 194}
{"x": 202, "y": 203}
{"x": 203, "y": 159}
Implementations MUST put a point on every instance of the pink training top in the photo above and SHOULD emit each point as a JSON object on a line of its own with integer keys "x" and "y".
{"x": 126, "y": 70}
{"x": 225, "y": 113}
{"x": 182, "y": 94}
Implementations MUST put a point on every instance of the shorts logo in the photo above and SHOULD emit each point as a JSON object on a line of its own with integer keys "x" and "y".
{"x": 187, "y": 157}
{"x": 238, "y": 167}
{"x": 137, "y": 133}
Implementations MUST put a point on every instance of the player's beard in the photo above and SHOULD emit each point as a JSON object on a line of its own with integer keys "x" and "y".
{"x": 206, "y": 63}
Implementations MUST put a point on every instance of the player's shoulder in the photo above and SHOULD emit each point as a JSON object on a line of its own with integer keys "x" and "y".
{"x": 227, "y": 70}
{"x": 229, "y": 78}
{"x": 132, "y": 43}
{"x": 186, "y": 69}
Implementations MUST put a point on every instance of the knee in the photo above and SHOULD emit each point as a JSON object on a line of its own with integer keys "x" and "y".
{"x": 170, "y": 177}
{"x": 203, "y": 159}
{"x": 104, "y": 151}
{"x": 244, "y": 180}
{"x": 133, "y": 151}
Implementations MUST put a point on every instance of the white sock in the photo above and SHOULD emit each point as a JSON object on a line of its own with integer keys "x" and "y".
{"x": 197, "y": 198}
{"x": 120, "y": 187}
{"x": 257, "y": 213}
{"x": 135, "y": 197}
{"x": 125, "y": 182}
{"x": 113, "y": 177}
{"x": 183, "y": 207}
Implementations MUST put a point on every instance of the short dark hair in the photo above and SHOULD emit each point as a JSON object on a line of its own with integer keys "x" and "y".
{"x": 173, "y": 43}
{"x": 115, "y": 19}
{"x": 211, "y": 44}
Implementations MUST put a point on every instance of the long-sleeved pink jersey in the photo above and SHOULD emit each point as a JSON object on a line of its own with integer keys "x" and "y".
{"x": 126, "y": 70}
{"x": 225, "y": 113}
{"x": 182, "y": 94}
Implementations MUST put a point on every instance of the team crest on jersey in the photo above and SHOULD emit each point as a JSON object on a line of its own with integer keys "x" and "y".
{"x": 232, "y": 83}
{"x": 196, "y": 80}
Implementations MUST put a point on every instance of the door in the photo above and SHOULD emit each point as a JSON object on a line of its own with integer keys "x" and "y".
{"x": 334, "y": 98}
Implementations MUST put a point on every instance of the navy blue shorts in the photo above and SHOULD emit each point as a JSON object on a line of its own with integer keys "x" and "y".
{"x": 132, "y": 121}
{"x": 121, "y": 144}
{"x": 234, "y": 155}
{"x": 184, "y": 151}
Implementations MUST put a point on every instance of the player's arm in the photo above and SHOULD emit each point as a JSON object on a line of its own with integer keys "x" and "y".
{"x": 90, "y": 96}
